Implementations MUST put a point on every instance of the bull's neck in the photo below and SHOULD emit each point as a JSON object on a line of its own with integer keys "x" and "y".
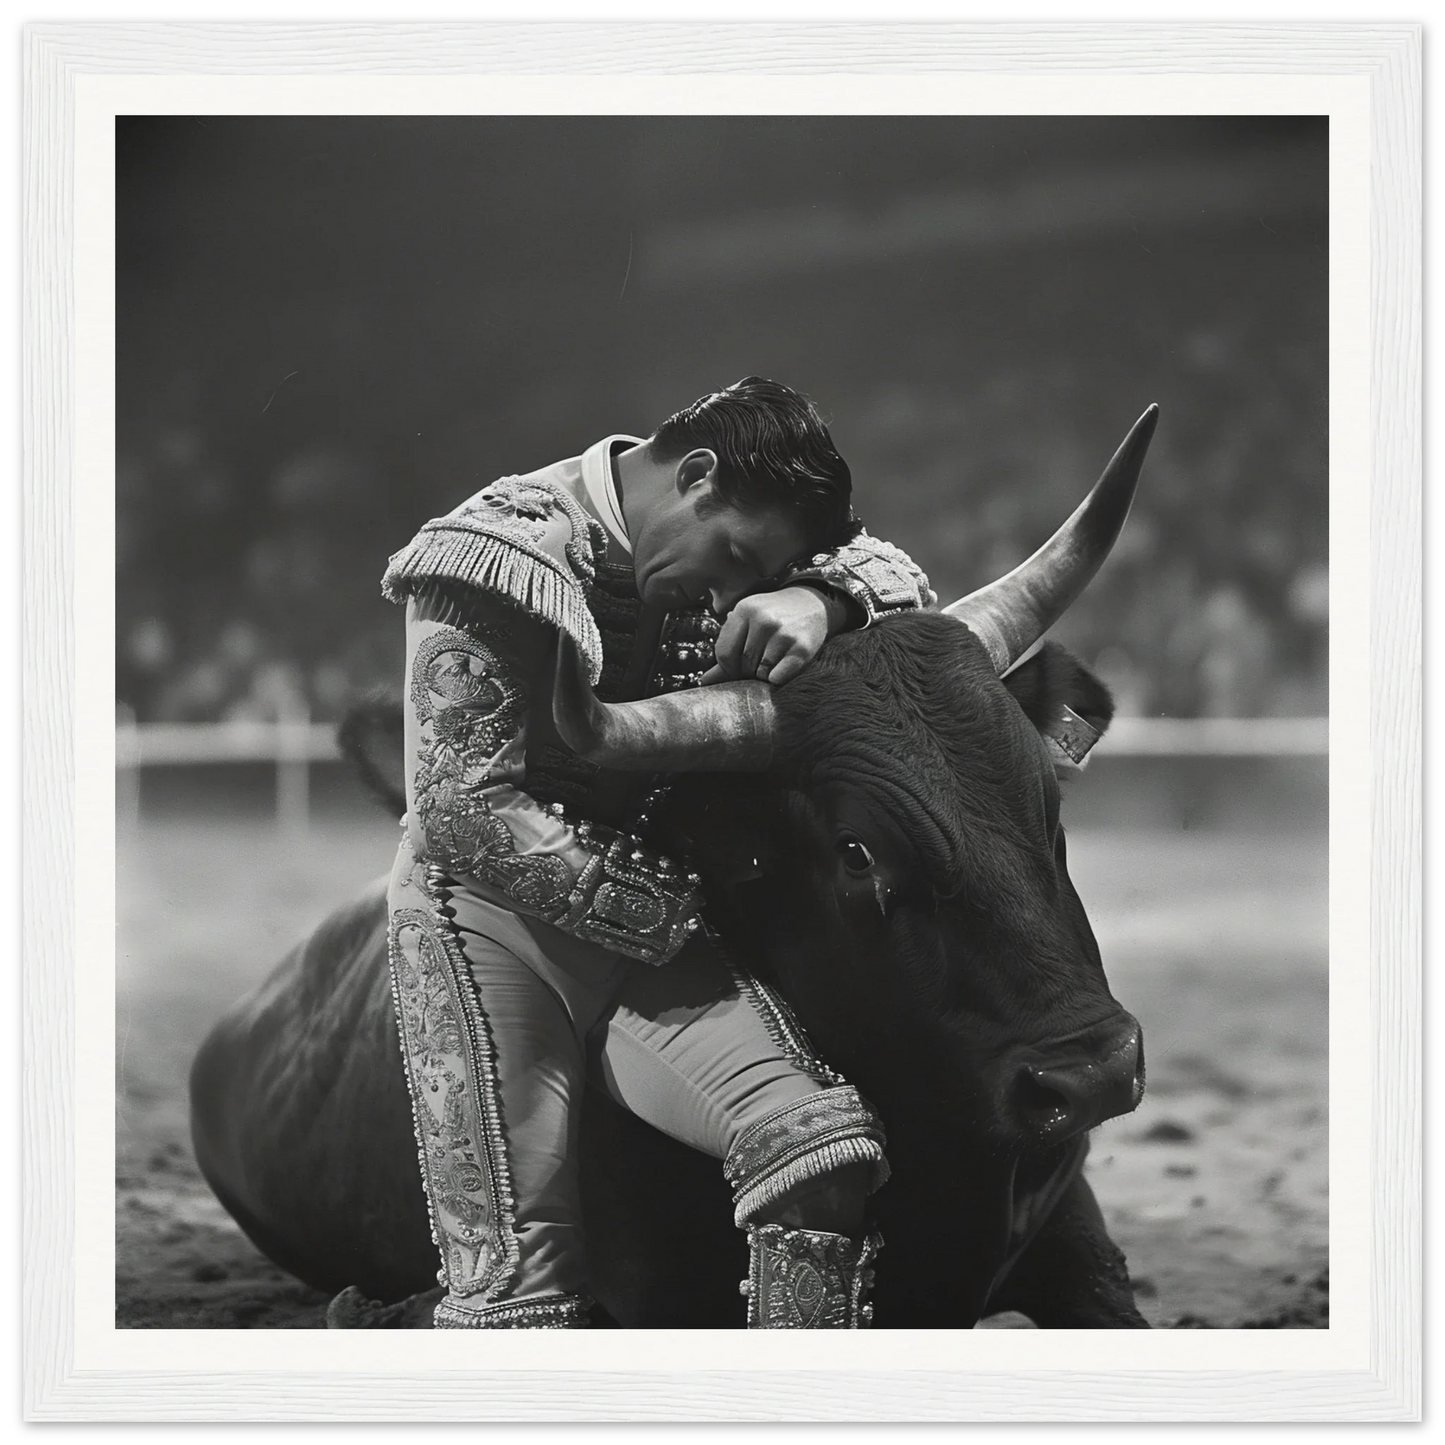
{"x": 918, "y": 1098}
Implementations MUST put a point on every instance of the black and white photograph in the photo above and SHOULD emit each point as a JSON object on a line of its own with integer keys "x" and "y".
{"x": 729, "y": 680}
{"x": 616, "y": 618}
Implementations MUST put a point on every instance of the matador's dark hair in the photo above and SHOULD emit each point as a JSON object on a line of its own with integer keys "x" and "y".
{"x": 773, "y": 450}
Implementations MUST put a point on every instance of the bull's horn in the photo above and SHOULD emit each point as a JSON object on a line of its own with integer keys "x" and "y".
{"x": 726, "y": 728}
{"x": 1010, "y": 615}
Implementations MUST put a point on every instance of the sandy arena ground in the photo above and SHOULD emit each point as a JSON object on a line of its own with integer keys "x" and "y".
{"x": 1215, "y": 939}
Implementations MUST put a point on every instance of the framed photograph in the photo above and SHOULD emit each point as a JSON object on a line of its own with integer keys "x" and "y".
{"x": 859, "y": 313}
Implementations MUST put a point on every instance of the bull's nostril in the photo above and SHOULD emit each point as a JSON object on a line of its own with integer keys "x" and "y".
{"x": 1092, "y": 1077}
{"x": 1041, "y": 1105}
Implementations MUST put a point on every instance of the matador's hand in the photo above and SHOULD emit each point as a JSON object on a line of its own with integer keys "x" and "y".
{"x": 774, "y": 635}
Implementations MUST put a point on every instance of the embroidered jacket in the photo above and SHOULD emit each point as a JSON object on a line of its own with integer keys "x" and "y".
{"x": 493, "y": 797}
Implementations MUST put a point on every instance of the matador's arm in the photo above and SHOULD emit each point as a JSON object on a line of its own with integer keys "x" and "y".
{"x": 472, "y": 683}
{"x": 859, "y": 582}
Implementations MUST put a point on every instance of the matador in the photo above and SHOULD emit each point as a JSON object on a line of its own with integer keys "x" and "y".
{"x": 536, "y": 942}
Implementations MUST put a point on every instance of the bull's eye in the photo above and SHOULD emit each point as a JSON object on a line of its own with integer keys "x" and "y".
{"x": 856, "y": 858}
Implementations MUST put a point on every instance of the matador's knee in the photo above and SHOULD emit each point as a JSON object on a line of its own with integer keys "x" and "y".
{"x": 800, "y": 1178}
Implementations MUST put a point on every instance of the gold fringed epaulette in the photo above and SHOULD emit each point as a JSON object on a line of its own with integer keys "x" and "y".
{"x": 520, "y": 539}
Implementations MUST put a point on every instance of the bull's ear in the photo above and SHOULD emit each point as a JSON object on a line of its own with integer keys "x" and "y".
{"x": 1063, "y": 700}
{"x": 372, "y": 737}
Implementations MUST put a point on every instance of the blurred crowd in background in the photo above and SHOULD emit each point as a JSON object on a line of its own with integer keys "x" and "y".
{"x": 332, "y": 329}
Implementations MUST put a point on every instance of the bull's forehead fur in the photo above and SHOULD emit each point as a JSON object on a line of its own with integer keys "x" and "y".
{"x": 910, "y": 715}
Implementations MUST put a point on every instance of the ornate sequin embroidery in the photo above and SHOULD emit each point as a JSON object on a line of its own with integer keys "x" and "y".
{"x": 802, "y": 1279}
{"x": 526, "y": 505}
{"x": 456, "y": 1100}
{"x": 800, "y": 1141}
{"x": 541, "y": 1312}
{"x": 686, "y": 650}
{"x": 470, "y": 707}
{"x": 878, "y": 576}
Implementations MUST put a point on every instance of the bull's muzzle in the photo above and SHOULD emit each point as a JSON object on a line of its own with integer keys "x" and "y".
{"x": 1080, "y": 1084}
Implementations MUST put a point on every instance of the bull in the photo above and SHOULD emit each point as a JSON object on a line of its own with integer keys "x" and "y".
{"x": 880, "y": 841}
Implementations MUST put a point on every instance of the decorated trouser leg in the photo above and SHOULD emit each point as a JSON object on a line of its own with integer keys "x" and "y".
{"x": 498, "y": 1015}
{"x": 800, "y": 1148}
{"x": 491, "y": 1025}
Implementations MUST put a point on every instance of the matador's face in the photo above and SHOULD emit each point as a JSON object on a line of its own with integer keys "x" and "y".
{"x": 697, "y": 550}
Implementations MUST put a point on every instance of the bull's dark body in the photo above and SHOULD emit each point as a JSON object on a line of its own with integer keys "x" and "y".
{"x": 301, "y": 1118}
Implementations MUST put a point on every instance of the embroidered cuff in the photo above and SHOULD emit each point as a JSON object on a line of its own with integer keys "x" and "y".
{"x": 629, "y": 897}
{"x": 544, "y": 1312}
{"x": 800, "y": 1141}
{"x": 878, "y": 576}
